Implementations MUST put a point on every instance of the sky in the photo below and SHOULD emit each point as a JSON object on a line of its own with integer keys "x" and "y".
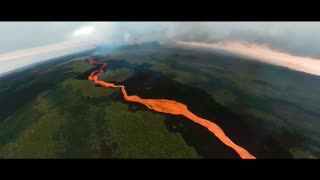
{"x": 299, "y": 39}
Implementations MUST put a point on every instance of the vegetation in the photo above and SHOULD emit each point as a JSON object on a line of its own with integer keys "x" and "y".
{"x": 143, "y": 135}
{"x": 87, "y": 88}
{"x": 181, "y": 76}
{"x": 37, "y": 140}
{"x": 117, "y": 75}
{"x": 79, "y": 65}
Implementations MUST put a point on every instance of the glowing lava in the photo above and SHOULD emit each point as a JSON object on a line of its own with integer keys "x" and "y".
{"x": 170, "y": 107}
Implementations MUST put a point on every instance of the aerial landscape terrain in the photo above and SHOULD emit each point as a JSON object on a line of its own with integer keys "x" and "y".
{"x": 154, "y": 100}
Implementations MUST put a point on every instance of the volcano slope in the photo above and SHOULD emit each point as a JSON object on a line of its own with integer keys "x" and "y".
{"x": 74, "y": 118}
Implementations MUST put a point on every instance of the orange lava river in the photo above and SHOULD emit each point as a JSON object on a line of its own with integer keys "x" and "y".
{"x": 170, "y": 107}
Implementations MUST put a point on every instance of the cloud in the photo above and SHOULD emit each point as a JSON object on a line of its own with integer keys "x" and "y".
{"x": 299, "y": 38}
{"x": 22, "y": 35}
{"x": 296, "y": 38}
{"x": 262, "y": 53}
{"x": 17, "y": 59}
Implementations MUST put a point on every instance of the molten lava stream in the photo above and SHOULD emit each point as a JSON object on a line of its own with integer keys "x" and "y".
{"x": 170, "y": 107}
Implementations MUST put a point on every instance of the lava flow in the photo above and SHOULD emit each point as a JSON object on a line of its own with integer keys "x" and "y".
{"x": 170, "y": 107}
